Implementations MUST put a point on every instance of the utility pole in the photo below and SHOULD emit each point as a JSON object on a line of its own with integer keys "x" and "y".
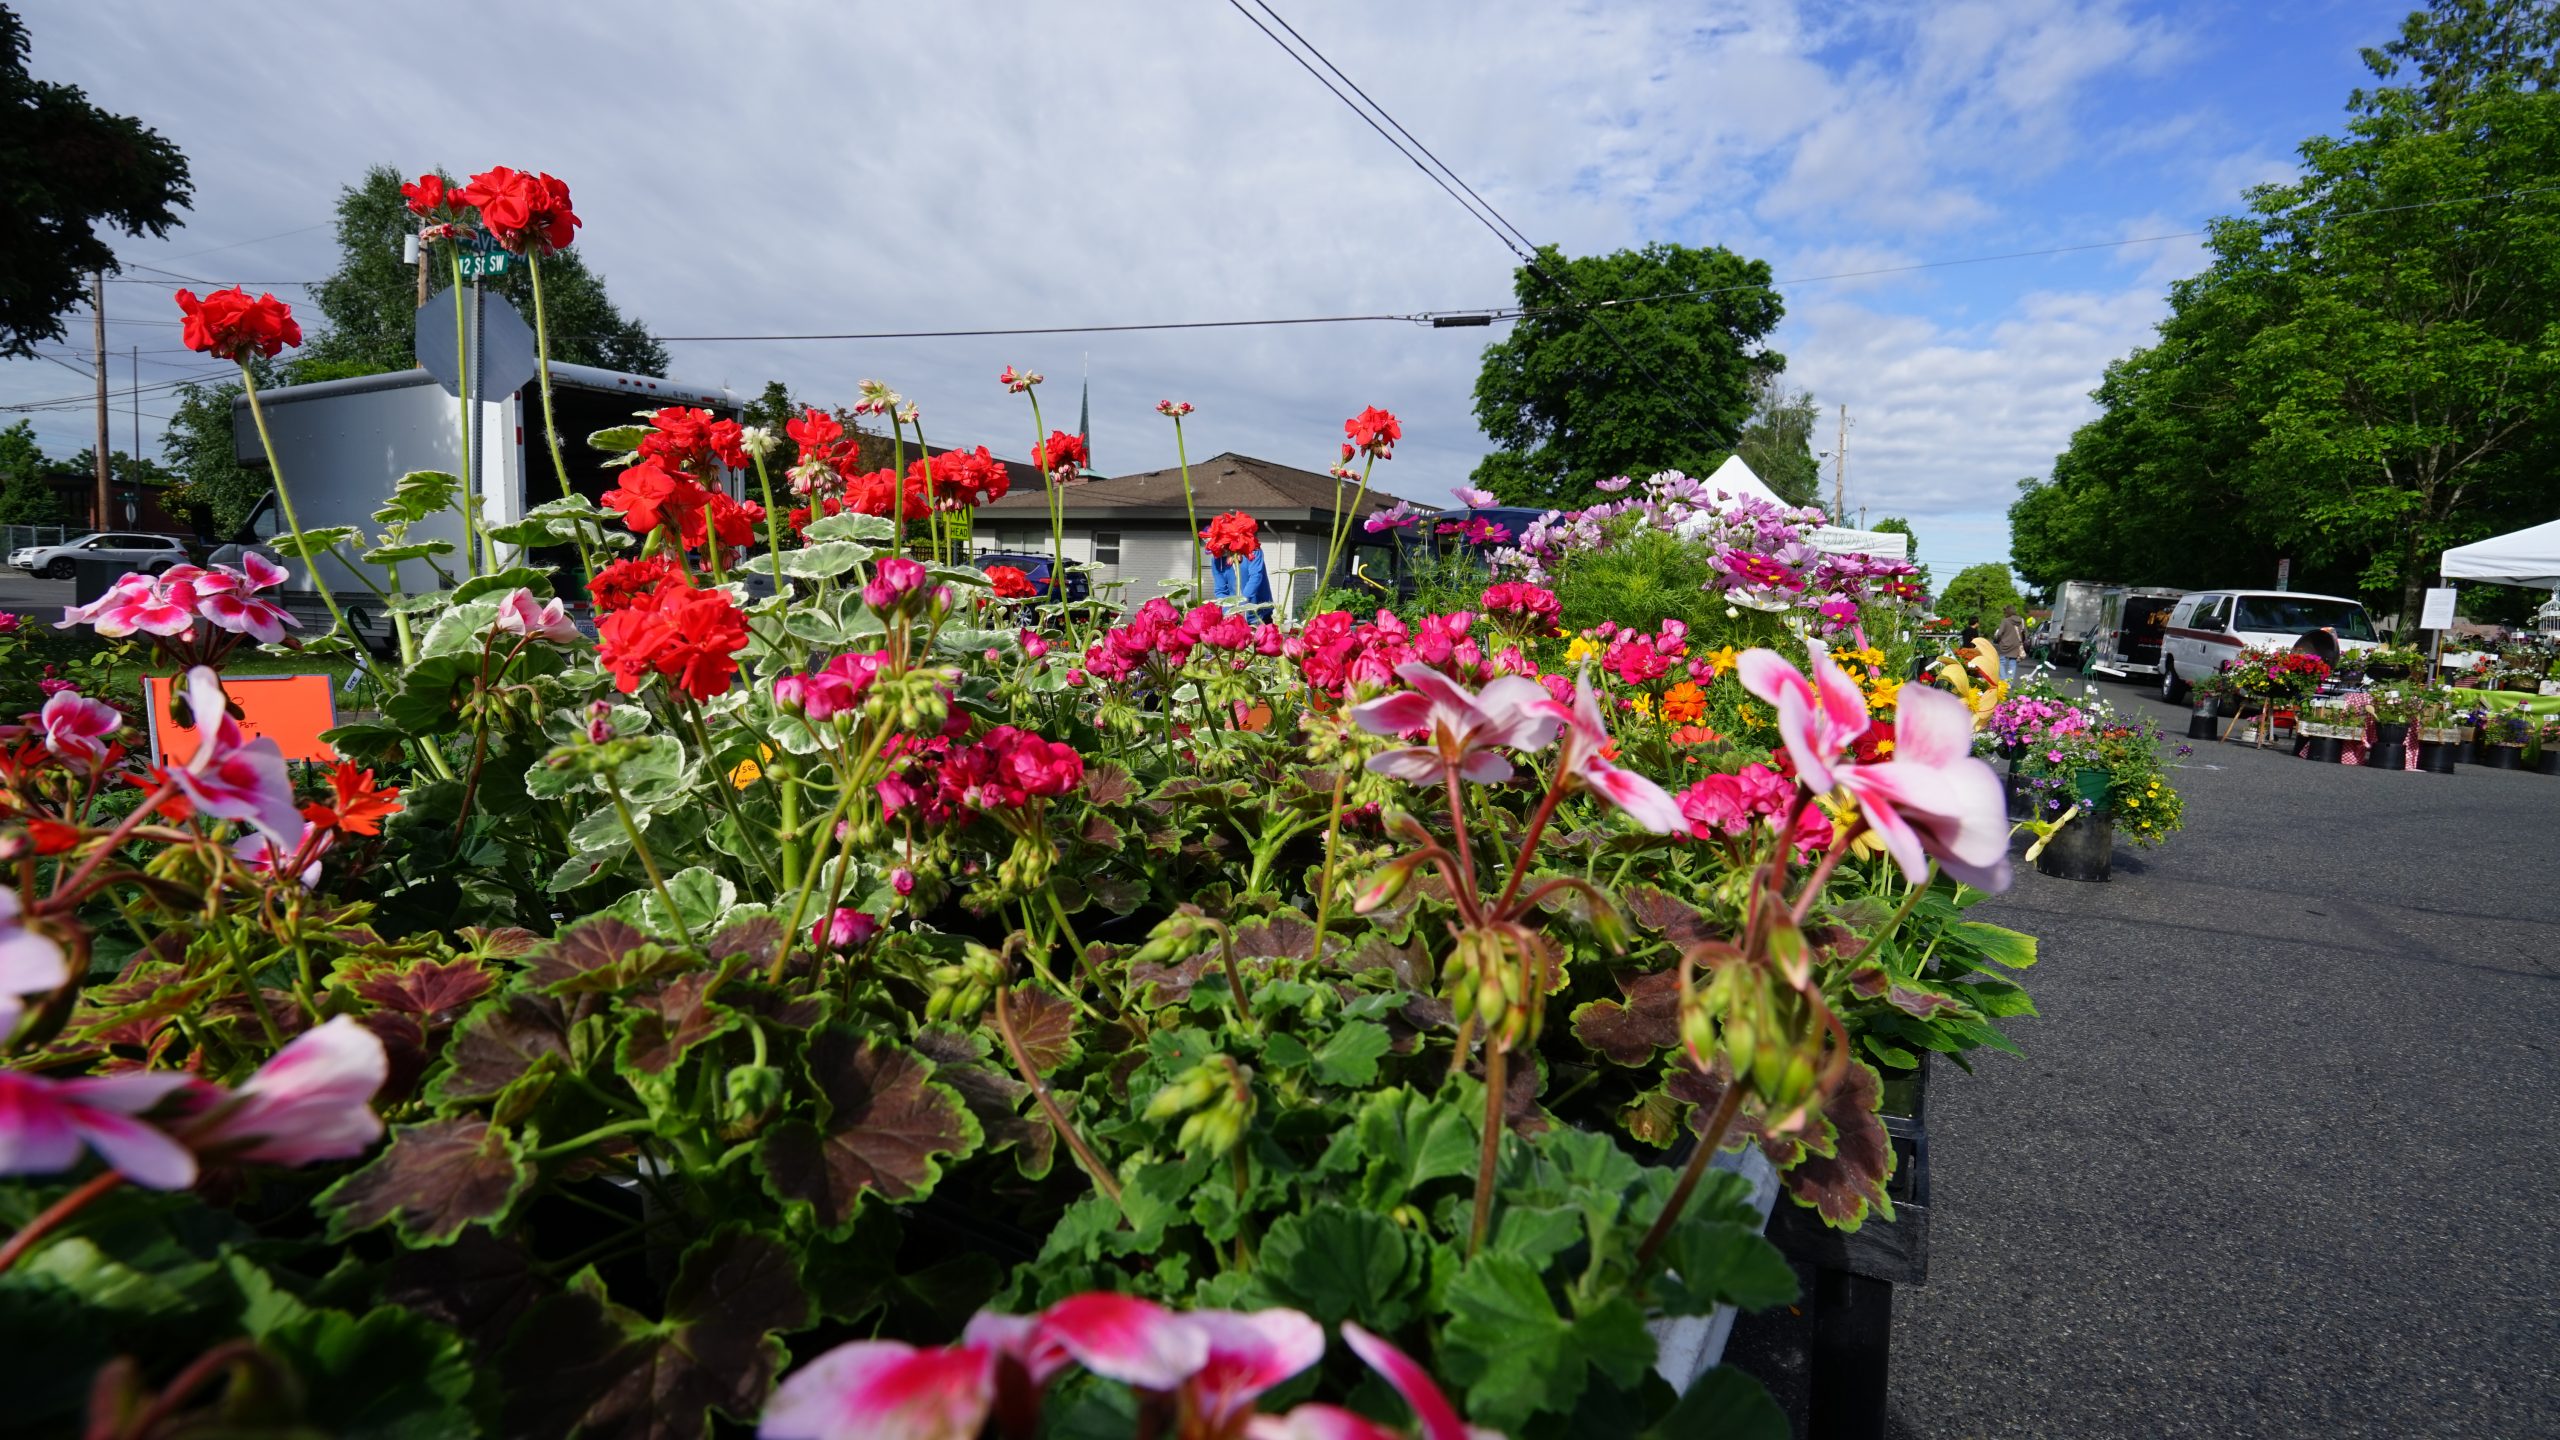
{"x": 137, "y": 414}
{"x": 1840, "y": 470}
{"x": 98, "y": 303}
{"x": 418, "y": 248}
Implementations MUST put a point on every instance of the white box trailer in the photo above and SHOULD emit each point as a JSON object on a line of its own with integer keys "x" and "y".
{"x": 2135, "y": 618}
{"x": 2079, "y": 622}
{"x": 343, "y": 445}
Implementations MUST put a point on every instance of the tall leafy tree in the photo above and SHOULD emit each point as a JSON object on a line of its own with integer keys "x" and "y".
{"x": 198, "y": 445}
{"x": 2370, "y": 369}
{"x": 1896, "y": 525}
{"x": 66, "y": 168}
{"x": 1575, "y": 395}
{"x": 24, "y": 497}
{"x": 370, "y": 303}
{"x": 1777, "y": 441}
{"x": 1979, "y": 593}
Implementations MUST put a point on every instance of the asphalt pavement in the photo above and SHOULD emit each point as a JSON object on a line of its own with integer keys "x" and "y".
{"x": 23, "y": 594}
{"x": 2278, "y": 1160}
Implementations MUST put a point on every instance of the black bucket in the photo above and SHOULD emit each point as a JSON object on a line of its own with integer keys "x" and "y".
{"x": 2437, "y": 757}
{"x": 2085, "y": 849}
{"x": 2205, "y": 722}
{"x": 2323, "y": 748}
{"x": 2390, "y": 747}
{"x": 2497, "y": 757}
{"x": 2548, "y": 762}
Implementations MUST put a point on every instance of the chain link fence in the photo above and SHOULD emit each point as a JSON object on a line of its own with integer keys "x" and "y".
{"x": 14, "y": 538}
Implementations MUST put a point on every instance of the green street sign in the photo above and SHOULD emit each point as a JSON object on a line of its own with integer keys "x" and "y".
{"x": 479, "y": 267}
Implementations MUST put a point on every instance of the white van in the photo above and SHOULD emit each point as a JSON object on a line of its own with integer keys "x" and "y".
{"x": 2211, "y": 626}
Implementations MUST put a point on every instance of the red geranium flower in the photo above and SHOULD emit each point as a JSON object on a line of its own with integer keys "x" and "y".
{"x": 229, "y": 324}
{"x": 882, "y": 493}
{"x": 1062, "y": 454}
{"x": 650, "y": 495}
{"x": 361, "y": 806}
{"x": 1012, "y": 582}
{"x": 427, "y": 194}
{"x": 733, "y": 522}
{"x": 522, "y": 210}
{"x": 690, "y": 636}
{"x": 1231, "y": 535}
{"x": 967, "y": 479}
{"x": 815, "y": 432}
{"x": 628, "y": 583}
{"x": 1374, "y": 432}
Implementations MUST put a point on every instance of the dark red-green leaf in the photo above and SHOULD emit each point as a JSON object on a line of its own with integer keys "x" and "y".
{"x": 1847, "y": 1185}
{"x": 1107, "y": 783}
{"x": 1632, "y": 1032}
{"x": 598, "y": 955}
{"x": 1869, "y": 982}
{"x": 756, "y": 941}
{"x": 478, "y": 1285}
{"x": 404, "y": 1046}
{"x": 499, "y": 1044}
{"x": 671, "y": 1022}
{"x": 993, "y": 1096}
{"x": 1676, "y": 920}
{"x": 433, "y": 1180}
{"x": 1046, "y": 1026}
{"x": 886, "y": 1130}
{"x": 582, "y": 1364}
{"x": 433, "y": 990}
{"x": 507, "y": 942}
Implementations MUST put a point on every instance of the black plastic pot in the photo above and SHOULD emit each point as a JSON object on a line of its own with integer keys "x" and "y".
{"x": 2324, "y": 748}
{"x": 2498, "y": 757}
{"x": 2085, "y": 849}
{"x": 2437, "y": 757}
{"x": 2386, "y": 672}
{"x": 2548, "y": 762}
{"x": 2205, "y": 721}
{"x": 2390, "y": 747}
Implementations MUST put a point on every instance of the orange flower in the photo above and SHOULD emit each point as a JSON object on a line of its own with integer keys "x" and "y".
{"x": 1694, "y": 735}
{"x": 1684, "y": 704}
{"x": 361, "y": 807}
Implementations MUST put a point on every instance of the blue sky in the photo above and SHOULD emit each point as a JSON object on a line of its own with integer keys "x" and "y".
{"x": 787, "y": 167}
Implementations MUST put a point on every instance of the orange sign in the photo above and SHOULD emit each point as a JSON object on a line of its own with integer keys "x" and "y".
{"x": 291, "y": 710}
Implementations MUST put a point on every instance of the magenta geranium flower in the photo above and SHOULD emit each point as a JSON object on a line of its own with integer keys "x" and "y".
{"x": 1461, "y": 730}
{"x": 884, "y": 1390}
{"x": 46, "y": 1124}
{"x": 77, "y": 727}
{"x": 230, "y": 776}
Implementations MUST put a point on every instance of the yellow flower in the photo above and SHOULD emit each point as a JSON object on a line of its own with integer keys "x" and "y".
{"x": 1723, "y": 659}
{"x": 1580, "y": 650}
{"x": 1751, "y": 716}
{"x": 1641, "y": 703}
{"x": 1883, "y": 694}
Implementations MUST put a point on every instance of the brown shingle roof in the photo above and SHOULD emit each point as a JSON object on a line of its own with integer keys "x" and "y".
{"x": 1218, "y": 484}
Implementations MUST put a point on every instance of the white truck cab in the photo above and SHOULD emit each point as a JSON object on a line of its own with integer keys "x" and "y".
{"x": 2212, "y": 626}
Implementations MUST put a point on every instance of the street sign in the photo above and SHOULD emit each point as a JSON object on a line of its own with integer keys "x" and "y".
{"x": 2284, "y": 574}
{"x": 476, "y": 267}
{"x": 2438, "y": 614}
{"x": 501, "y": 343}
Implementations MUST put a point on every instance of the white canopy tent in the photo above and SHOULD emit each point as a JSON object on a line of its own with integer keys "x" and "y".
{"x": 1735, "y": 478}
{"x": 2530, "y": 558}
{"x": 1737, "y": 481}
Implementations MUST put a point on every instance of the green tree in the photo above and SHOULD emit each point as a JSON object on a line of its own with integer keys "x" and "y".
{"x": 370, "y": 303}
{"x": 24, "y": 497}
{"x": 2370, "y": 369}
{"x": 1896, "y": 525}
{"x": 1979, "y": 593}
{"x": 67, "y": 167}
{"x": 1575, "y": 395}
{"x": 1777, "y": 441}
{"x": 202, "y": 453}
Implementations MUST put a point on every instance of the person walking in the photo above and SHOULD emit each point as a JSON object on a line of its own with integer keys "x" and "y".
{"x": 2010, "y": 639}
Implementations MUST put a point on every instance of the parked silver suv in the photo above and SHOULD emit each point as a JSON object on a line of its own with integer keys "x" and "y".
{"x": 150, "y": 554}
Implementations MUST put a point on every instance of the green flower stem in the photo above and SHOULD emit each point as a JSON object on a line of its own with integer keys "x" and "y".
{"x": 53, "y": 1216}
{"x": 249, "y": 990}
{"x": 728, "y": 793}
{"x": 1055, "y": 494}
{"x": 602, "y": 1132}
{"x": 1342, "y": 521}
{"x": 826, "y": 837}
{"x": 469, "y": 501}
{"x": 1710, "y": 1140}
{"x": 284, "y": 496}
{"x": 1324, "y": 887}
{"x": 550, "y": 429}
{"x": 649, "y": 862}
{"x": 1058, "y": 1121}
{"x": 790, "y": 801}
{"x": 1182, "y": 454}
{"x": 1910, "y": 901}
{"x": 773, "y": 543}
{"x": 1495, "y": 1082}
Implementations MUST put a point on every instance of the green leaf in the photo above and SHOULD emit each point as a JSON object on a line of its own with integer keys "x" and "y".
{"x": 462, "y": 630}
{"x": 413, "y": 550}
{"x": 1350, "y": 1057}
{"x": 851, "y": 527}
{"x": 1615, "y": 1342}
{"x": 1505, "y": 1343}
{"x": 1726, "y": 1404}
{"x": 2010, "y": 949}
{"x": 1406, "y": 1141}
{"x": 582, "y": 1364}
{"x": 536, "y": 578}
{"x": 311, "y": 542}
{"x": 818, "y": 562}
{"x": 556, "y": 522}
{"x": 959, "y": 574}
{"x": 1537, "y": 1234}
{"x": 426, "y": 702}
{"x": 391, "y": 1374}
{"x": 1338, "y": 1264}
{"x": 433, "y": 1180}
{"x": 700, "y": 896}
{"x": 617, "y": 439}
{"x": 419, "y": 494}
{"x": 1718, "y": 1262}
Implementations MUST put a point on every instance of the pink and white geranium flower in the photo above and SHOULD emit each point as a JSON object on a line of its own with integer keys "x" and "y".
{"x": 1461, "y": 731}
{"x": 1819, "y": 719}
{"x": 46, "y": 1124}
{"x": 1933, "y": 797}
{"x": 76, "y": 727}
{"x": 1438, "y": 1418}
{"x": 1586, "y": 756}
{"x": 518, "y": 614}
{"x": 312, "y": 1102}
{"x": 885, "y": 1390}
{"x": 30, "y": 964}
{"x": 230, "y": 776}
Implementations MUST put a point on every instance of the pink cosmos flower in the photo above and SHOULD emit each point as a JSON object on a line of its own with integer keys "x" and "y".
{"x": 519, "y": 615}
{"x": 1586, "y": 755}
{"x": 884, "y": 1390}
{"x": 231, "y": 779}
{"x": 1472, "y": 498}
{"x": 1462, "y": 730}
{"x": 1933, "y": 797}
{"x": 76, "y": 727}
{"x": 1612, "y": 485}
{"x": 1819, "y": 720}
{"x": 30, "y": 964}
{"x": 45, "y": 1124}
{"x": 313, "y": 1101}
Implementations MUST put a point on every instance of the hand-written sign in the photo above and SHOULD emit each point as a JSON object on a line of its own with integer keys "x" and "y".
{"x": 2438, "y": 613}
{"x": 291, "y": 710}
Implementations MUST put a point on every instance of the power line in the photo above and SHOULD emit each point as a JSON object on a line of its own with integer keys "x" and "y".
{"x": 237, "y": 244}
{"x": 73, "y": 402}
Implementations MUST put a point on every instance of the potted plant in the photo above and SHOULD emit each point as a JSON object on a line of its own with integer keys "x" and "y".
{"x": 2208, "y": 694}
{"x": 2500, "y": 738}
{"x": 2546, "y": 756}
{"x": 2327, "y": 727}
{"x": 2393, "y": 705}
{"x": 2393, "y": 662}
{"x": 2440, "y": 733}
